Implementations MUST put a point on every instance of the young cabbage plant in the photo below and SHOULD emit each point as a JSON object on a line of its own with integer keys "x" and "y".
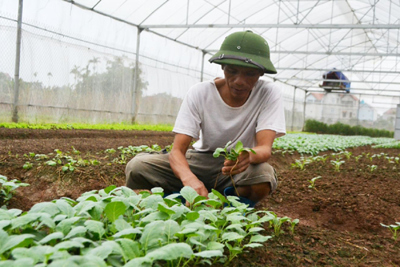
{"x": 233, "y": 155}
{"x": 393, "y": 228}
{"x": 312, "y": 182}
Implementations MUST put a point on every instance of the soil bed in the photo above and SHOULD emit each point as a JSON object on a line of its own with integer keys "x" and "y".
{"x": 339, "y": 218}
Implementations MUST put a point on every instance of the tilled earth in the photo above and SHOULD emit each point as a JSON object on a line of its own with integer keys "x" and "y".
{"x": 339, "y": 218}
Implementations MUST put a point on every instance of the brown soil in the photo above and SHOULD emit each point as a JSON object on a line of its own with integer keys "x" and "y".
{"x": 339, "y": 218}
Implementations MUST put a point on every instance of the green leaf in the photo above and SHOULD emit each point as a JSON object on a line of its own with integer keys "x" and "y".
{"x": 213, "y": 245}
{"x": 259, "y": 239}
{"x": 171, "y": 252}
{"x": 5, "y": 215}
{"x": 68, "y": 245}
{"x": 110, "y": 188}
{"x": 95, "y": 227}
{"x": 65, "y": 225}
{"x": 65, "y": 208}
{"x": 189, "y": 194}
{"x": 46, "y": 207}
{"x": 46, "y": 219}
{"x": 8, "y": 242}
{"x": 127, "y": 232}
{"x": 37, "y": 253}
{"x": 151, "y": 202}
{"x": 101, "y": 251}
{"x": 239, "y": 147}
{"x": 192, "y": 216}
{"x": 253, "y": 245}
{"x": 114, "y": 209}
{"x": 152, "y": 235}
{"x": 120, "y": 224}
{"x": 164, "y": 208}
{"x": 220, "y": 196}
{"x": 170, "y": 229}
{"x": 24, "y": 220}
{"x": 76, "y": 231}
{"x": 255, "y": 229}
{"x": 231, "y": 236}
{"x": 131, "y": 249}
{"x": 52, "y": 236}
{"x": 218, "y": 152}
{"x": 127, "y": 192}
{"x": 209, "y": 254}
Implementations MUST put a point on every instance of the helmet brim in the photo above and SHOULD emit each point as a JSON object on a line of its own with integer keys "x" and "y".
{"x": 266, "y": 63}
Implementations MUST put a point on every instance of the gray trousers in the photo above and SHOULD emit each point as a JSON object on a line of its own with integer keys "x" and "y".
{"x": 148, "y": 170}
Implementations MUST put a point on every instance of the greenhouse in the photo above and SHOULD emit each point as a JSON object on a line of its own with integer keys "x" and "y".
{"x": 113, "y": 152}
{"x": 76, "y": 60}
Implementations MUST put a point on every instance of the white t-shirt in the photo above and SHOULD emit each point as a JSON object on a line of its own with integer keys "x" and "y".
{"x": 205, "y": 116}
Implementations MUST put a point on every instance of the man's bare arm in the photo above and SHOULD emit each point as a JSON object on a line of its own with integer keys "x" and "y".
{"x": 180, "y": 166}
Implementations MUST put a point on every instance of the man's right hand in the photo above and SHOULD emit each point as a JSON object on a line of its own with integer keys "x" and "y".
{"x": 196, "y": 184}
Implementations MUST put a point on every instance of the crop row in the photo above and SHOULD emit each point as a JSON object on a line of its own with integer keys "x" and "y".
{"x": 117, "y": 227}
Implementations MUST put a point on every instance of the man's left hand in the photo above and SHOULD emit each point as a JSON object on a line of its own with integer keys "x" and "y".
{"x": 232, "y": 167}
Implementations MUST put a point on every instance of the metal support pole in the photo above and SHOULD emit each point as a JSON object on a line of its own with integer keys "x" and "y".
{"x": 304, "y": 110}
{"x": 136, "y": 91}
{"x": 17, "y": 64}
{"x": 293, "y": 109}
{"x": 202, "y": 66}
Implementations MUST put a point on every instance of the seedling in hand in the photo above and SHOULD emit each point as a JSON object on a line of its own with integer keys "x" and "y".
{"x": 233, "y": 155}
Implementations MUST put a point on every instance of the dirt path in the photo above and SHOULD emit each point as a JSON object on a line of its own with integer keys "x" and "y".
{"x": 339, "y": 218}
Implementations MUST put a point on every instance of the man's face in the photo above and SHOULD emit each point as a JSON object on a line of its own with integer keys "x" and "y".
{"x": 241, "y": 80}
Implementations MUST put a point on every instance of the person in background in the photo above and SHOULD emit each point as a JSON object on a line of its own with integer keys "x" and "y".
{"x": 238, "y": 107}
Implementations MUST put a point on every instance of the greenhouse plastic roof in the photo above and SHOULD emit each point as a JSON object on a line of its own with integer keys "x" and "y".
{"x": 306, "y": 38}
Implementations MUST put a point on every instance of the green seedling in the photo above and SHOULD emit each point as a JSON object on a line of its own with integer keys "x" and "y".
{"x": 358, "y": 157}
{"x": 293, "y": 224}
{"x": 393, "y": 228}
{"x": 277, "y": 222}
{"x": 7, "y": 189}
{"x": 301, "y": 163}
{"x": 337, "y": 164}
{"x": 233, "y": 155}
{"x": 372, "y": 167}
{"x": 312, "y": 182}
{"x": 27, "y": 166}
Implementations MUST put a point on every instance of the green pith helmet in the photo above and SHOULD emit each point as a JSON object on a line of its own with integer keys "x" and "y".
{"x": 245, "y": 49}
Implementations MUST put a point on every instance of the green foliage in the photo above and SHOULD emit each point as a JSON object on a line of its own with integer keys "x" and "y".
{"x": 312, "y": 182}
{"x": 393, "y": 228}
{"x": 343, "y": 129}
{"x": 7, "y": 189}
{"x": 316, "y": 143}
{"x": 119, "y": 126}
{"x": 117, "y": 227}
{"x": 233, "y": 153}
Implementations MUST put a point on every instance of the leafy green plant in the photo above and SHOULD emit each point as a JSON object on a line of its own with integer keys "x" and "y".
{"x": 277, "y": 222}
{"x": 372, "y": 168}
{"x": 312, "y": 182}
{"x": 358, "y": 157}
{"x": 393, "y": 228}
{"x": 293, "y": 224}
{"x": 27, "y": 165}
{"x": 115, "y": 226}
{"x": 301, "y": 163}
{"x": 7, "y": 189}
{"x": 232, "y": 154}
{"x": 337, "y": 164}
